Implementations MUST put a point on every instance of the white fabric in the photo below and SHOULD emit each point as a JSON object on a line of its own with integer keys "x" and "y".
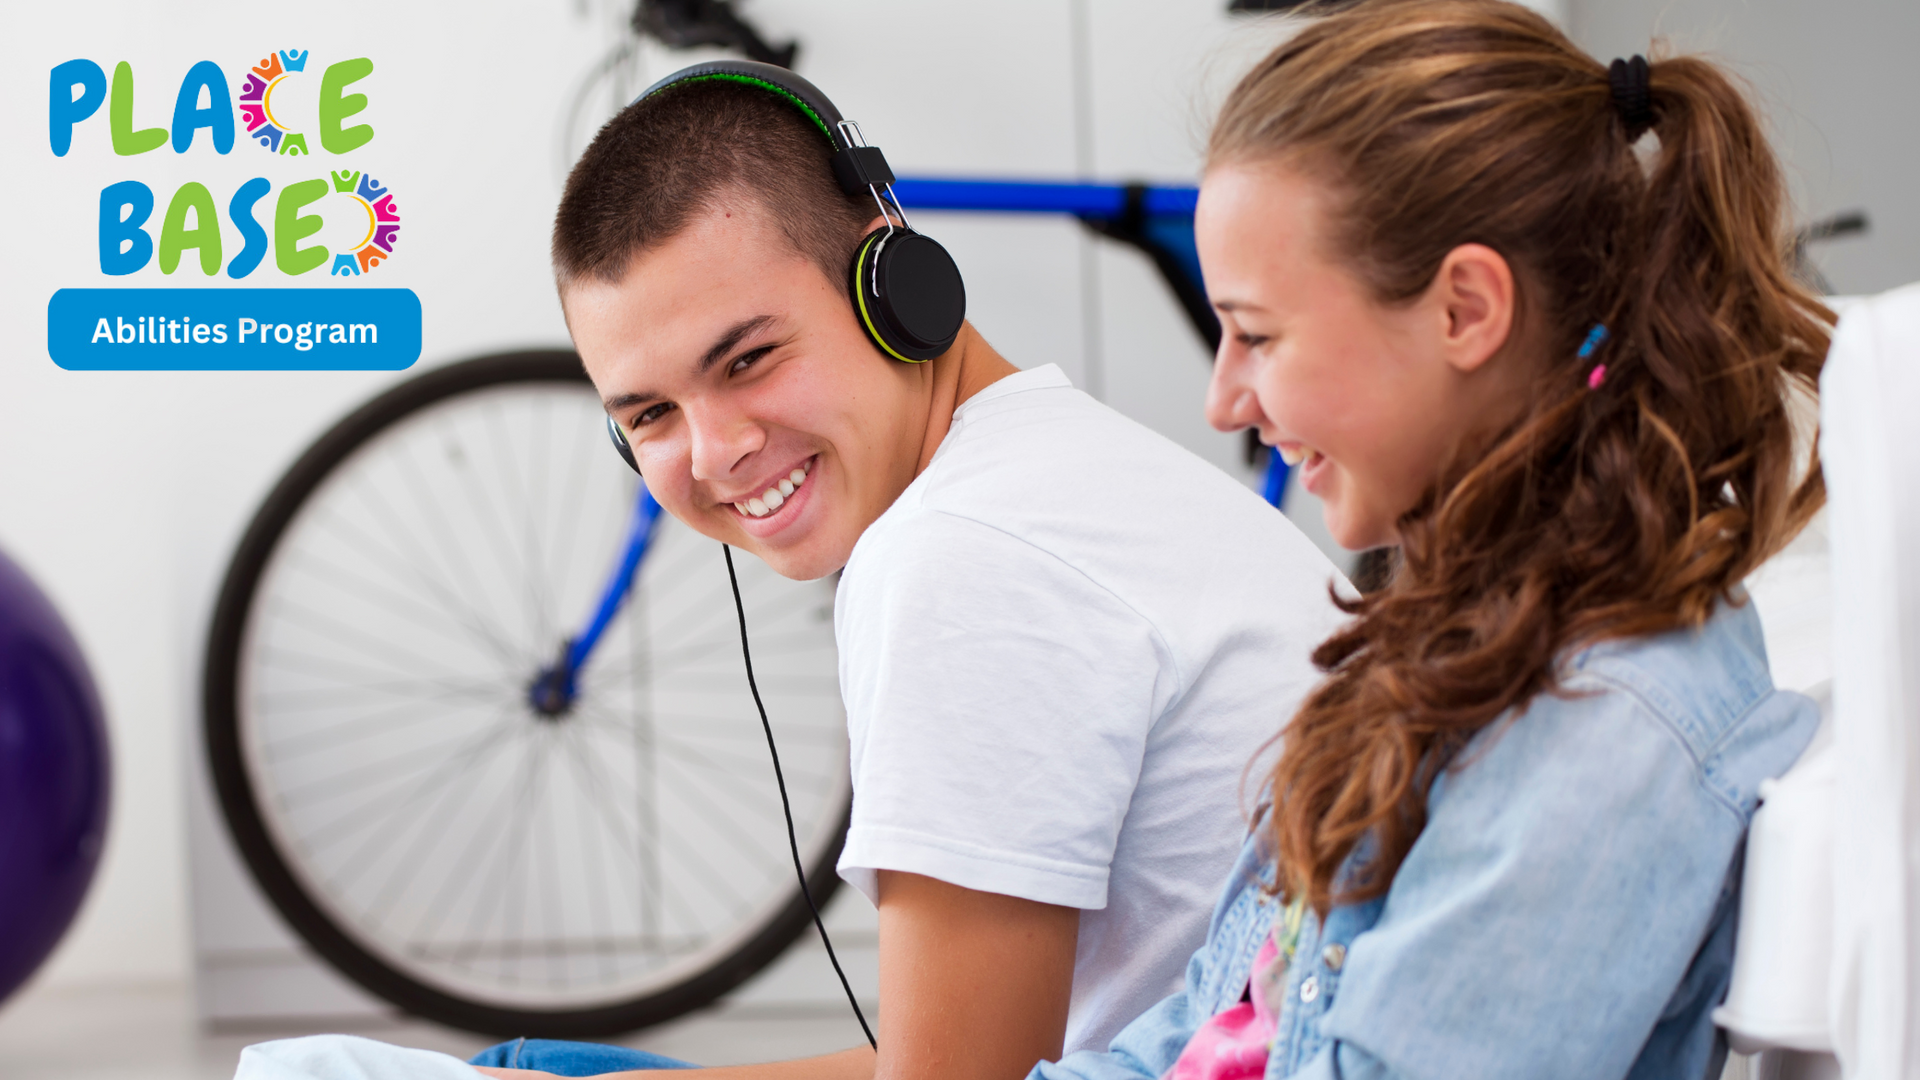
{"x": 1793, "y": 593}
{"x": 347, "y": 1057}
{"x": 1059, "y": 649}
{"x": 1778, "y": 996}
{"x": 1870, "y": 408}
{"x": 1826, "y": 958}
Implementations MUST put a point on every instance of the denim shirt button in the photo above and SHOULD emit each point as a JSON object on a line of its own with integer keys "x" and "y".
{"x": 1334, "y": 956}
{"x": 1310, "y": 990}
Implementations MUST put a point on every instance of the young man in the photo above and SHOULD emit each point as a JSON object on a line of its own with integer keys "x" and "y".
{"x": 1062, "y": 637}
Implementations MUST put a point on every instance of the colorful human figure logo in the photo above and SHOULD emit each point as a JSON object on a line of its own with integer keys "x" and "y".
{"x": 256, "y": 102}
{"x": 383, "y": 223}
{"x": 271, "y": 132}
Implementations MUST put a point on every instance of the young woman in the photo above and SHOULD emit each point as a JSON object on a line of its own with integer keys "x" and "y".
{"x": 1524, "y": 317}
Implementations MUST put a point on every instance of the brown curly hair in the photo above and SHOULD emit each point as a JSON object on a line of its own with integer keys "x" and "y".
{"x": 1627, "y": 509}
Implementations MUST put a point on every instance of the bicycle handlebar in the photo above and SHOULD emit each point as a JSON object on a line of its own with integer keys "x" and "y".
{"x": 1084, "y": 200}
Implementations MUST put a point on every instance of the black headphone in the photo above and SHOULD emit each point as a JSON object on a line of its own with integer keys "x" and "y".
{"x": 906, "y": 291}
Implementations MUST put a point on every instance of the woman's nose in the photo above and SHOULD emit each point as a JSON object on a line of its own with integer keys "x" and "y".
{"x": 1231, "y": 402}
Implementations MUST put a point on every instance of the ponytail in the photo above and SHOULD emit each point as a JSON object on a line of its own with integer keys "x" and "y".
{"x": 1715, "y": 281}
{"x": 1620, "y": 505}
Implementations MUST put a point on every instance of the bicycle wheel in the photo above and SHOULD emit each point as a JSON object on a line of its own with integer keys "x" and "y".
{"x": 393, "y": 790}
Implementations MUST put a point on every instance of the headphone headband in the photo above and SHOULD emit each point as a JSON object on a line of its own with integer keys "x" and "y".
{"x": 857, "y": 169}
{"x": 799, "y": 93}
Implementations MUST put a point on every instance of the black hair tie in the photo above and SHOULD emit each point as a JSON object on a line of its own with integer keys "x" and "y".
{"x": 1632, "y": 94}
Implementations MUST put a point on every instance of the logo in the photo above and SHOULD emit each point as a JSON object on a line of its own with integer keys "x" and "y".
{"x": 304, "y": 214}
{"x": 256, "y": 102}
{"x": 383, "y": 223}
{"x": 348, "y": 208}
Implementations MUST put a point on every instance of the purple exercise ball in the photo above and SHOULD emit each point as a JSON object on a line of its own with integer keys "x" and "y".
{"x": 53, "y": 777}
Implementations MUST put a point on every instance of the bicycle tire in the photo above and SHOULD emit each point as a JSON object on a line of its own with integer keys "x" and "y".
{"x": 346, "y": 947}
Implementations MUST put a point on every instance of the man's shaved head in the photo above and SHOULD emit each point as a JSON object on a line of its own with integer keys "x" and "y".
{"x": 693, "y": 147}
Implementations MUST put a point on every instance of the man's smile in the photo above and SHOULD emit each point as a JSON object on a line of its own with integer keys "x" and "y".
{"x": 776, "y": 494}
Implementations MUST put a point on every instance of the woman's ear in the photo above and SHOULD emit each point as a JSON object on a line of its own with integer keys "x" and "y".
{"x": 1475, "y": 287}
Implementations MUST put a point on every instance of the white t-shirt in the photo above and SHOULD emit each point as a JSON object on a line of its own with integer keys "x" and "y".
{"x": 1060, "y": 649}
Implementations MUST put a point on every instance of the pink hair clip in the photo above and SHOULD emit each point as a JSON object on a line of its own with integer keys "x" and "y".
{"x": 1597, "y": 376}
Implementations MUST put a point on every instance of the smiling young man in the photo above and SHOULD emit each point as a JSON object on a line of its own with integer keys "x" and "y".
{"x": 1062, "y": 637}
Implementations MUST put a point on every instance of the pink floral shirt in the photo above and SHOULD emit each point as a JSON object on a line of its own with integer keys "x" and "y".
{"x": 1234, "y": 1044}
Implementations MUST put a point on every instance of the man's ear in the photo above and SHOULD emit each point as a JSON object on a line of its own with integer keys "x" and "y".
{"x": 1475, "y": 287}
{"x": 878, "y": 222}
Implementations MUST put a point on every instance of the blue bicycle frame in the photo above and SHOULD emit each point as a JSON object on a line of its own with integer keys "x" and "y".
{"x": 554, "y": 689}
{"x": 1157, "y": 220}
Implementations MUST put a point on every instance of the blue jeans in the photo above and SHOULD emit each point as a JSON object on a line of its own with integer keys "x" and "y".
{"x": 571, "y": 1058}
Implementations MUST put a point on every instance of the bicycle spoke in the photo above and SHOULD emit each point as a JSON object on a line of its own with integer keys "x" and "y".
{"x": 741, "y": 762}
{"x": 425, "y": 569}
{"x": 343, "y": 732}
{"x": 352, "y": 637}
{"x": 682, "y": 724}
{"x": 572, "y": 500}
{"x": 438, "y": 522}
{"x": 692, "y": 859}
{"x": 526, "y": 800}
{"x": 410, "y": 863}
{"x": 338, "y": 696}
{"x": 497, "y": 530}
{"x": 462, "y": 878}
{"x": 591, "y": 770}
{"x": 426, "y": 618}
{"x": 514, "y": 490}
{"x": 596, "y": 888}
{"x": 475, "y": 746}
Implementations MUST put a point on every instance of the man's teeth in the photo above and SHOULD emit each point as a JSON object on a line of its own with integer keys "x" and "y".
{"x": 774, "y": 497}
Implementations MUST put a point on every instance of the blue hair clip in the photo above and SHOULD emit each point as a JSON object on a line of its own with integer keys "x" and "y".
{"x": 1595, "y": 338}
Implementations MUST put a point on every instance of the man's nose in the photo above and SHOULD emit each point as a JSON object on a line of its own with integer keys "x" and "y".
{"x": 721, "y": 441}
{"x": 1231, "y": 402}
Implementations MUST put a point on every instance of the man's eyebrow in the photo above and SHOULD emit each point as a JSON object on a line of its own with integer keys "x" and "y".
{"x": 626, "y": 401}
{"x": 726, "y": 342}
{"x": 723, "y": 345}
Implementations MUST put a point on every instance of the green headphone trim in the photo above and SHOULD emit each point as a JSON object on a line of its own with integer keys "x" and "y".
{"x": 860, "y": 298}
{"x": 763, "y": 84}
{"x": 866, "y": 248}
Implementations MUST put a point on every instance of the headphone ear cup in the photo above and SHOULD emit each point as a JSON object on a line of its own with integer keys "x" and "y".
{"x": 620, "y": 444}
{"x": 908, "y": 294}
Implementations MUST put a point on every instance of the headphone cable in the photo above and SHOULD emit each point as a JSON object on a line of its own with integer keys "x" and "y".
{"x": 793, "y": 842}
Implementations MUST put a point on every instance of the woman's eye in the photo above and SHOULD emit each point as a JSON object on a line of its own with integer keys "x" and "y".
{"x": 653, "y": 413}
{"x": 1252, "y": 341}
{"x": 748, "y": 359}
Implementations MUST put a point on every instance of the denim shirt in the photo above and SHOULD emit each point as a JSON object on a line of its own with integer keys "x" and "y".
{"x": 1568, "y": 910}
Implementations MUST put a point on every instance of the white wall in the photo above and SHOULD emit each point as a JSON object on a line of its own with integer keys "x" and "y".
{"x": 1841, "y": 95}
{"x": 123, "y": 493}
